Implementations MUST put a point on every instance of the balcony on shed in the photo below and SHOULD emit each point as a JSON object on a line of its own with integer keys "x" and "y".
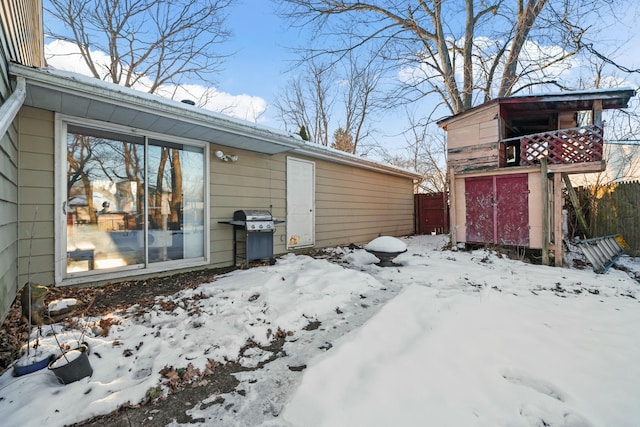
{"x": 520, "y": 131}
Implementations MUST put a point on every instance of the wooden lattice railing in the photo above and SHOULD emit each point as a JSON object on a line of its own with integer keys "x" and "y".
{"x": 577, "y": 145}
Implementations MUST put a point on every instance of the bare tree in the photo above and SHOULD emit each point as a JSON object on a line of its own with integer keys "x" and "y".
{"x": 360, "y": 100}
{"x": 322, "y": 96}
{"x": 150, "y": 42}
{"x": 307, "y": 102}
{"x": 496, "y": 45}
{"x": 425, "y": 154}
{"x": 622, "y": 126}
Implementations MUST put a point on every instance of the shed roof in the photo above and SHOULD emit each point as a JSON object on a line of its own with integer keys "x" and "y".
{"x": 563, "y": 101}
{"x": 85, "y": 97}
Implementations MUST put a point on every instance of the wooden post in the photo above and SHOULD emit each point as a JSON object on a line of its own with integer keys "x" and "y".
{"x": 582, "y": 221}
{"x": 596, "y": 112}
{"x": 452, "y": 207}
{"x": 545, "y": 212}
{"x": 558, "y": 235}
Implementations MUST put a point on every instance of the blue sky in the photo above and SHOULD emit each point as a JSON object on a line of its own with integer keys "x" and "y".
{"x": 260, "y": 40}
{"x": 263, "y": 41}
{"x": 256, "y": 72}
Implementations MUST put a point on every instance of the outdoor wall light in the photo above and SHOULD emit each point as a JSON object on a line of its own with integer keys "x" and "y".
{"x": 226, "y": 157}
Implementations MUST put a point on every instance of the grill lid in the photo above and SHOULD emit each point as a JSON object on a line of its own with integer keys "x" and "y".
{"x": 252, "y": 215}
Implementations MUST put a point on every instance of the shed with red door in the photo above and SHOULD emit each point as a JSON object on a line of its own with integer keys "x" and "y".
{"x": 508, "y": 164}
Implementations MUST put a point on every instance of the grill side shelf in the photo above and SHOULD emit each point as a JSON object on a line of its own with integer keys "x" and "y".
{"x": 236, "y": 223}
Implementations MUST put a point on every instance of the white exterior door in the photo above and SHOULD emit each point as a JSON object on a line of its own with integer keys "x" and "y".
{"x": 301, "y": 183}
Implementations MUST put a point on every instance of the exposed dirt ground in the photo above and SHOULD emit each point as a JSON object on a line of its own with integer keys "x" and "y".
{"x": 103, "y": 300}
{"x": 98, "y": 301}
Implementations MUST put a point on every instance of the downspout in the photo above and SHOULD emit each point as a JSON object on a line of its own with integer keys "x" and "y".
{"x": 9, "y": 110}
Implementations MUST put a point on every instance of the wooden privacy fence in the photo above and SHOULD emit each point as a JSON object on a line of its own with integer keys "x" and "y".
{"x": 611, "y": 209}
{"x": 431, "y": 213}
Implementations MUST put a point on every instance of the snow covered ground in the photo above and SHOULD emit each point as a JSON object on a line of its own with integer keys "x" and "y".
{"x": 448, "y": 338}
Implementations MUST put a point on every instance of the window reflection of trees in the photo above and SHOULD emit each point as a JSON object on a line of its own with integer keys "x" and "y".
{"x": 92, "y": 159}
{"x": 103, "y": 165}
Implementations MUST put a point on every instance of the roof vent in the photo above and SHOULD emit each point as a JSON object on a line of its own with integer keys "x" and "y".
{"x": 188, "y": 101}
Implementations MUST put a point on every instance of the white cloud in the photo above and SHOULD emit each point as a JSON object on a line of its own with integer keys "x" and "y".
{"x": 66, "y": 56}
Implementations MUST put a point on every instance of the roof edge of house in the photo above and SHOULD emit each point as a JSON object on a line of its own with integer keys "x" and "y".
{"x": 68, "y": 82}
{"x": 93, "y": 88}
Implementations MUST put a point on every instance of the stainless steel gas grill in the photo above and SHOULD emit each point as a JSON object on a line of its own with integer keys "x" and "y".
{"x": 252, "y": 235}
{"x": 254, "y": 220}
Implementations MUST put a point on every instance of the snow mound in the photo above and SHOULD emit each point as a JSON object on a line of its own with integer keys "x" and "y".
{"x": 386, "y": 244}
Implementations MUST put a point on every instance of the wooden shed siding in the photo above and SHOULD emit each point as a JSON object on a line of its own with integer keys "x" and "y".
{"x": 458, "y": 222}
{"x": 566, "y": 120}
{"x": 470, "y": 128}
{"x": 36, "y": 178}
{"x": 463, "y": 136}
{"x": 474, "y": 159}
{"x": 535, "y": 209}
{"x": 473, "y": 143}
{"x": 488, "y": 131}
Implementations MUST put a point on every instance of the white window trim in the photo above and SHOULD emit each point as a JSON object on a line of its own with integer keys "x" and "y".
{"x": 60, "y": 265}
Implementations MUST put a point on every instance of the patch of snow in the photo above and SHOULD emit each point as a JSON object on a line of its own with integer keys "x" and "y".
{"x": 386, "y": 244}
{"x": 450, "y": 338}
{"x": 62, "y": 304}
{"x": 68, "y": 357}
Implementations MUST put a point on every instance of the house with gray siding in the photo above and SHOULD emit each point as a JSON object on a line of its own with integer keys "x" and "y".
{"x": 102, "y": 183}
{"x": 21, "y": 41}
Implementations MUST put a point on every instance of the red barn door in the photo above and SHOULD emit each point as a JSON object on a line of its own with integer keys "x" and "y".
{"x": 497, "y": 209}
{"x": 512, "y": 210}
{"x": 479, "y": 195}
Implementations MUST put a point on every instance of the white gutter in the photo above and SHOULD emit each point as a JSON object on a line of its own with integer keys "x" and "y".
{"x": 98, "y": 90}
{"x": 9, "y": 110}
{"x": 91, "y": 88}
{"x": 352, "y": 160}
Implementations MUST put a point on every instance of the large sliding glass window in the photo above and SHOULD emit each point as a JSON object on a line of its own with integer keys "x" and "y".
{"x": 176, "y": 202}
{"x": 131, "y": 201}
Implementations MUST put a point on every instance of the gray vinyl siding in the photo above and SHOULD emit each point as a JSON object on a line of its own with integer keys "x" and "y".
{"x": 36, "y": 230}
{"x": 8, "y": 219}
{"x": 22, "y": 33}
{"x": 21, "y": 41}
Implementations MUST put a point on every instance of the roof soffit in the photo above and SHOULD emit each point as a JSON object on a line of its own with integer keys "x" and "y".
{"x": 110, "y": 103}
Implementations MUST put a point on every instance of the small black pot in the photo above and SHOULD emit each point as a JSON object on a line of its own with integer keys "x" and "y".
{"x": 76, "y": 369}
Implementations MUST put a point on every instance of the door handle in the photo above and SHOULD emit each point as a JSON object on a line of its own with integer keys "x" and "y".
{"x": 64, "y": 207}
